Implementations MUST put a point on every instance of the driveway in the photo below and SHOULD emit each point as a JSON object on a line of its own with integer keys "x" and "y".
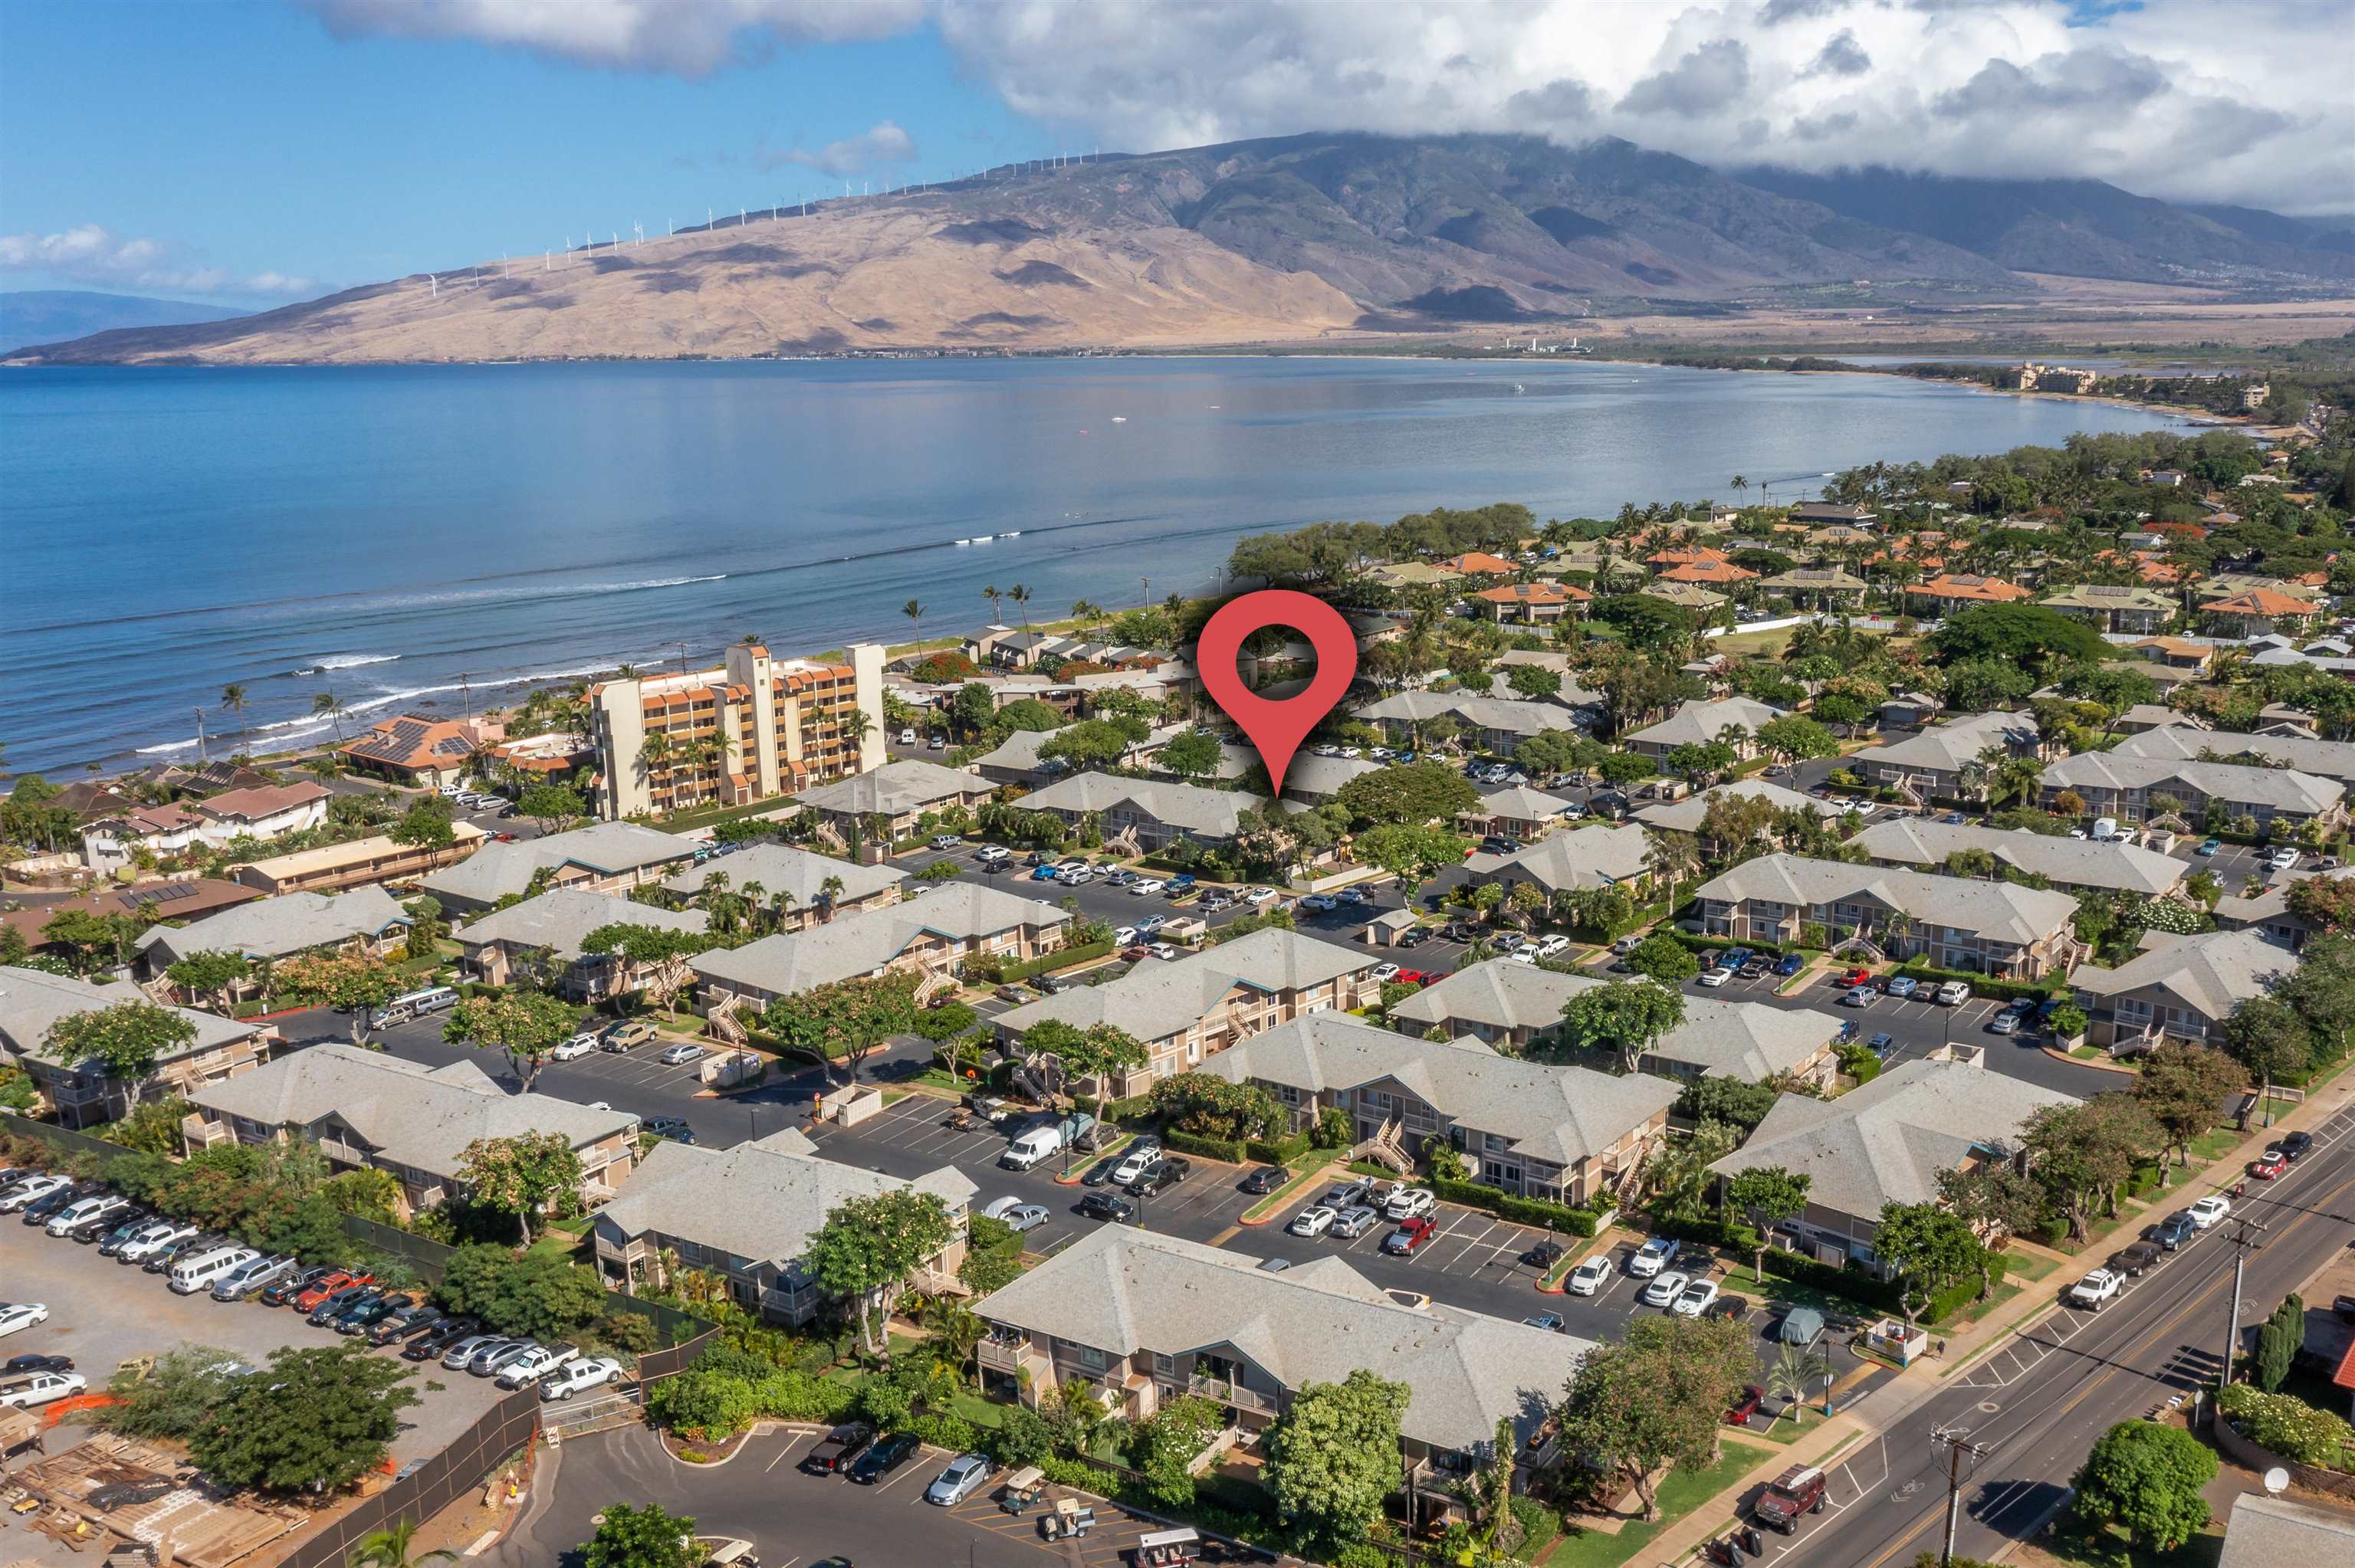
{"x": 102, "y": 1312}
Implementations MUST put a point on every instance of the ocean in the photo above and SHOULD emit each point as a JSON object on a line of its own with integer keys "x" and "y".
{"x": 421, "y": 537}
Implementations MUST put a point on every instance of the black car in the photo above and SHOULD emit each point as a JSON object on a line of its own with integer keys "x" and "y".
{"x": 167, "y": 1255}
{"x": 364, "y": 1315}
{"x": 1545, "y": 1254}
{"x": 401, "y": 1325}
{"x": 25, "y": 1366}
{"x": 1415, "y": 938}
{"x": 280, "y": 1292}
{"x": 887, "y": 1454}
{"x": 1107, "y": 1206}
{"x": 1101, "y": 1171}
{"x": 342, "y": 1301}
{"x": 1266, "y": 1179}
{"x": 1051, "y": 985}
{"x": 1161, "y": 1175}
{"x": 837, "y": 1448}
{"x": 2296, "y": 1144}
{"x": 99, "y": 1225}
{"x": 670, "y": 1127}
{"x": 429, "y": 1345}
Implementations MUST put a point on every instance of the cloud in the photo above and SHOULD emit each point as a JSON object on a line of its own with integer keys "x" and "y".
{"x": 881, "y": 143}
{"x": 89, "y": 253}
{"x": 2174, "y": 97}
{"x": 688, "y": 37}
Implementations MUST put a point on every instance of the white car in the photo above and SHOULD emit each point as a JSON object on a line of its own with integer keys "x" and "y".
{"x": 1713, "y": 979}
{"x": 2209, "y": 1210}
{"x": 1524, "y": 955}
{"x": 1410, "y": 1204}
{"x": 1122, "y": 936}
{"x": 1552, "y": 945}
{"x": 2096, "y": 1290}
{"x": 41, "y": 1388}
{"x": 1259, "y": 895}
{"x": 578, "y": 1045}
{"x": 1665, "y": 1289}
{"x": 2281, "y": 859}
{"x": 1142, "y": 1156}
{"x": 21, "y": 1315}
{"x": 1385, "y": 972}
{"x": 30, "y": 1191}
{"x": 1317, "y": 903}
{"x": 581, "y": 1376}
{"x": 1589, "y": 1277}
{"x": 1694, "y": 1299}
{"x": 1312, "y": 1221}
{"x": 1146, "y": 887}
{"x": 153, "y": 1240}
{"x": 1654, "y": 1256}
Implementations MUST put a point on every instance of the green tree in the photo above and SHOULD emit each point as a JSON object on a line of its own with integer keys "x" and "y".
{"x": 1533, "y": 681}
{"x": 524, "y": 1024}
{"x": 354, "y": 984}
{"x": 173, "y": 1398}
{"x": 645, "y": 1537}
{"x": 1095, "y": 744}
{"x": 1630, "y": 1015}
{"x": 1656, "y": 1399}
{"x": 1792, "y": 1374}
{"x": 1930, "y": 1247}
{"x": 210, "y": 973}
{"x": 2278, "y": 1342}
{"x": 429, "y": 823}
{"x": 867, "y": 1248}
{"x": 2265, "y": 1035}
{"x": 316, "y": 1419}
{"x": 1792, "y": 738}
{"x": 1412, "y": 794}
{"x": 555, "y": 807}
{"x": 2026, "y": 636}
{"x": 1334, "y": 1456}
{"x": 1768, "y": 1196}
{"x": 659, "y": 951}
{"x": 845, "y": 1019}
{"x": 522, "y": 1174}
{"x": 2149, "y": 1477}
{"x": 1190, "y": 755}
{"x": 126, "y": 1041}
{"x": 2183, "y": 1086}
{"x": 1664, "y": 958}
{"x": 1411, "y": 853}
{"x": 1102, "y": 1052}
{"x": 390, "y": 1548}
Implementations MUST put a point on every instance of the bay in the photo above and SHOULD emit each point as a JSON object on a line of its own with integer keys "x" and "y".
{"x": 387, "y": 534}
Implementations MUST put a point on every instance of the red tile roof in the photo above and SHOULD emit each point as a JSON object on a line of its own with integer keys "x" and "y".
{"x": 1977, "y": 590}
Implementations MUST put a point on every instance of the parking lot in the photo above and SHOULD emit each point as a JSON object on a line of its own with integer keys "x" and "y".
{"x": 102, "y": 1312}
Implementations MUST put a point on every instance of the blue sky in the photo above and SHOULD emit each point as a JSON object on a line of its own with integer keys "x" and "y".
{"x": 255, "y": 150}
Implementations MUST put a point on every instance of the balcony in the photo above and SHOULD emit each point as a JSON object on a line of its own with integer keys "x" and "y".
{"x": 1233, "y": 1394}
{"x": 1003, "y": 1355}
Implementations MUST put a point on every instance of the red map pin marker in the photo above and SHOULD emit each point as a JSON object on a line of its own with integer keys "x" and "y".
{"x": 1277, "y": 729}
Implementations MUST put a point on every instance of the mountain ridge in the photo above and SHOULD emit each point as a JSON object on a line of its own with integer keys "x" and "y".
{"x": 1274, "y": 240}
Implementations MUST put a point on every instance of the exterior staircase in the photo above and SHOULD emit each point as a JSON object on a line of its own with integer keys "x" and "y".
{"x": 934, "y": 982}
{"x": 1861, "y": 946}
{"x": 721, "y": 1020}
{"x": 1039, "y": 1079}
{"x": 1387, "y": 1148}
{"x": 1124, "y": 843}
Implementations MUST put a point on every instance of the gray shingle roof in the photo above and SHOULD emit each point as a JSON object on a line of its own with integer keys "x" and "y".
{"x": 33, "y": 999}
{"x": 1747, "y": 1040}
{"x": 411, "y": 1114}
{"x": 1559, "y": 1114}
{"x": 1522, "y": 803}
{"x": 2283, "y": 789}
{"x": 2281, "y": 1532}
{"x": 2211, "y": 972}
{"x": 2001, "y": 910}
{"x": 1579, "y": 857}
{"x": 1155, "y": 1001}
{"x": 560, "y": 918}
{"x": 2077, "y": 862}
{"x": 865, "y": 941}
{"x": 797, "y": 874}
{"x": 276, "y": 927}
{"x": 1685, "y": 816}
{"x": 607, "y": 848}
{"x": 1123, "y": 1290}
{"x": 2322, "y": 758}
{"x": 1208, "y": 813}
{"x": 1698, "y": 723}
{"x": 892, "y": 788}
{"x": 1886, "y": 1142}
{"x": 761, "y": 1201}
{"x": 1511, "y": 718}
{"x": 1944, "y": 748}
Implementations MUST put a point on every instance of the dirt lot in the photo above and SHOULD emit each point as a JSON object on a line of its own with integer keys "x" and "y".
{"x": 102, "y": 1312}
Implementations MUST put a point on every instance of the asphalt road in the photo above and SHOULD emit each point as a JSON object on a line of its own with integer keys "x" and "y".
{"x": 2039, "y": 1400}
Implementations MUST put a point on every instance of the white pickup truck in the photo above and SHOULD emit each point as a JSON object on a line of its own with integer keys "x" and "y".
{"x": 2097, "y": 1289}
{"x": 40, "y": 1388}
{"x": 536, "y": 1363}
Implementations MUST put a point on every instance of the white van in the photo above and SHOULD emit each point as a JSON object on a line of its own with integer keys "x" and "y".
{"x": 415, "y": 1004}
{"x": 1030, "y": 1148}
{"x": 207, "y": 1267}
{"x": 2105, "y": 829}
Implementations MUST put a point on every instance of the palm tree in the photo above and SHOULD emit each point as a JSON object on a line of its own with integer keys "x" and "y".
{"x": 1793, "y": 1373}
{"x": 993, "y": 594}
{"x": 828, "y": 892}
{"x": 915, "y": 612}
{"x": 1021, "y": 597}
{"x": 332, "y": 707}
{"x": 655, "y": 752}
{"x": 1740, "y": 483}
{"x": 233, "y": 699}
{"x": 388, "y": 1548}
{"x": 1085, "y": 610}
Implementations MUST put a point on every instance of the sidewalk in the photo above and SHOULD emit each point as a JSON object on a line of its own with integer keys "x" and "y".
{"x": 1887, "y": 1406}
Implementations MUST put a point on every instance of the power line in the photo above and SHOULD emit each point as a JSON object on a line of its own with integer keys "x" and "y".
{"x": 1954, "y": 1440}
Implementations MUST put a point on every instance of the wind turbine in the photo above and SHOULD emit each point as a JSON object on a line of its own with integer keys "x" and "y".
{"x": 433, "y": 283}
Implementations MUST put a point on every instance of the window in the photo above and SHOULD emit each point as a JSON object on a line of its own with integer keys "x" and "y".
{"x": 1165, "y": 1365}
{"x": 1092, "y": 1357}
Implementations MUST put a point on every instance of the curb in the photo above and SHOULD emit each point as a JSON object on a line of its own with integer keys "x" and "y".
{"x": 2059, "y": 1056}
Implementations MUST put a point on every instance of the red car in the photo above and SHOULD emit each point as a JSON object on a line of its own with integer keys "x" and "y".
{"x": 1740, "y": 1412}
{"x": 1411, "y": 977}
{"x": 2267, "y": 1166}
{"x": 1411, "y": 1234}
{"x": 339, "y": 1280}
{"x": 1853, "y": 978}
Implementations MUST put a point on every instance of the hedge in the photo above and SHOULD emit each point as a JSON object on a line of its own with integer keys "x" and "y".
{"x": 1277, "y": 1151}
{"x": 1062, "y": 957}
{"x": 1981, "y": 985}
{"x": 1757, "y": 945}
{"x": 1506, "y": 1205}
{"x": 1228, "y": 1150}
{"x": 1963, "y": 1292}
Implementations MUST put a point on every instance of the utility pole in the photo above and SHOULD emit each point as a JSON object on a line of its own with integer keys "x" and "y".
{"x": 2241, "y": 1248}
{"x": 1952, "y": 1440}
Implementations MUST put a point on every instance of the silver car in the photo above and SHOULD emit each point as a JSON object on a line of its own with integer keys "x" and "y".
{"x": 495, "y": 1359}
{"x": 965, "y": 1475}
{"x": 1355, "y": 1223}
{"x": 458, "y": 1357}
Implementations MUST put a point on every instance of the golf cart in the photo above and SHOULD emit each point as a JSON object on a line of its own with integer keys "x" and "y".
{"x": 1024, "y": 1487}
{"x": 1069, "y": 1521}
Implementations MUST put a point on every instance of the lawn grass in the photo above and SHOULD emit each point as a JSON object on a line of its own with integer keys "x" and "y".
{"x": 1743, "y": 1278}
{"x": 1782, "y": 1433}
{"x": 1681, "y": 1493}
{"x": 2088, "y": 1544}
{"x": 974, "y": 1408}
{"x": 2029, "y": 1265}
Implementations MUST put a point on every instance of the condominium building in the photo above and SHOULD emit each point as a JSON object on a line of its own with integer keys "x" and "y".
{"x": 751, "y": 727}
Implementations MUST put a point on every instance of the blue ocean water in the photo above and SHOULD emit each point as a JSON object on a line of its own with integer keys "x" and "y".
{"x": 379, "y": 533}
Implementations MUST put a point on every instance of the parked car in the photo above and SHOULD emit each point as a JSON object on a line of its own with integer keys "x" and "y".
{"x": 1312, "y": 1221}
{"x": 493, "y": 1360}
{"x": 1789, "y": 965}
{"x": 2174, "y": 1231}
{"x": 41, "y": 1388}
{"x": 2003, "y": 1023}
{"x": 1739, "y": 1412}
{"x": 1410, "y": 1236}
{"x": 16, "y": 1315}
{"x": 630, "y": 1032}
{"x": 882, "y": 1456}
{"x": 2137, "y": 1259}
{"x": 1025, "y": 1217}
{"x": 2209, "y": 846}
{"x": 1550, "y": 1321}
{"x": 244, "y": 1282}
{"x": 1853, "y": 978}
{"x": 837, "y": 1448}
{"x": 1797, "y": 1490}
{"x": 577, "y": 1046}
{"x": 671, "y": 1128}
{"x": 1694, "y": 1299}
{"x": 964, "y": 1476}
{"x": 2209, "y": 1211}
{"x": 1161, "y": 1175}
{"x": 2096, "y": 1290}
{"x": 1351, "y": 1224}
{"x": 461, "y": 1353}
{"x": 1901, "y": 986}
{"x": 1954, "y": 993}
{"x": 578, "y": 1377}
{"x": 29, "y": 1190}
{"x": 2295, "y": 1144}
{"x": 1107, "y": 1206}
{"x": 1589, "y": 1277}
{"x": 407, "y": 1323}
{"x": 1409, "y": 1202}
{"x": 536, "y": 1363}
{"x": 1345, "y": 1193}
{"x": 282, "y": 1291}
{"x": 1882, "y": 1044}
{"x": 2265, "y": 1166}
{"x": 1654, "y": 1256}
{"x": 153, "y": 1239}
{"x": 1137, "y": 1161}
{"x": 1859, "y": 996}
{"x": 1265, "y": 1180}
{"x": 1713, "y": 979}
{"x": 328, "y": 1306}
{"x": 1665, "y": 1289}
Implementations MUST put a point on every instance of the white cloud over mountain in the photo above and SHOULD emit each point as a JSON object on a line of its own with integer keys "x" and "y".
{"x": 89, "y": 253}
{"x": 2186, "y": 98}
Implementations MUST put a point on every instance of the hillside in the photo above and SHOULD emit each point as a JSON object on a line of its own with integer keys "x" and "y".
{"x": 51, "y": 315}
{"x": 1279, "y": 240}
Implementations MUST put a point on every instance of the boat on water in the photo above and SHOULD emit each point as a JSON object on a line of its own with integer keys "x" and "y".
{"x": 1120, "y": 418}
